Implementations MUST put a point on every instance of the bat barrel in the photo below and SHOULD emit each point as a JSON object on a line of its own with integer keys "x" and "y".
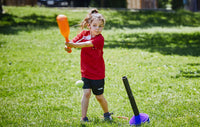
{"x": 130, "y": 95}
{"x": 64, "y": 29}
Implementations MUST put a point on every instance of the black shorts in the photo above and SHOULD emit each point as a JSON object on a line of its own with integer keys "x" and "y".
{"x": 97, "y": 86}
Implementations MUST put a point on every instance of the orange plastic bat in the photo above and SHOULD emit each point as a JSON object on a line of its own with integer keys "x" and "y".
{"x": 64, "y": 28}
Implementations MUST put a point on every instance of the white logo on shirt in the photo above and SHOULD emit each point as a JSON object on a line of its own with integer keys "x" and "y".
{"x": 85, "y": 38}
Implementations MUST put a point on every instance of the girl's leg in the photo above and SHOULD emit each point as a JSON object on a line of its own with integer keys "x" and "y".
{"x": 102, "y": 102}
{"x": 104, "y": 105}
{"x": 85, "y": 102}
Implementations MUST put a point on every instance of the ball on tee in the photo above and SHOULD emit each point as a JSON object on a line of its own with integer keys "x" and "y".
{"x": 79, "y": 83}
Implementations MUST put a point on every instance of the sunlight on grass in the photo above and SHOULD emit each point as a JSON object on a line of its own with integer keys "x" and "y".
{"x": 161, "y": 61}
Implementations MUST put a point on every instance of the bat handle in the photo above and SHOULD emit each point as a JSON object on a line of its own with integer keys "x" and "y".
{"x": 68, "y": 49}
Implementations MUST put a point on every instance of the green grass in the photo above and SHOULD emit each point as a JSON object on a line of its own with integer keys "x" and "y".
{"x": 157, "y": 51}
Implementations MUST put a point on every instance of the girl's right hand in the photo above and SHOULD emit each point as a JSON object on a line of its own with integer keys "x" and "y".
{"x": 68, "y": 49}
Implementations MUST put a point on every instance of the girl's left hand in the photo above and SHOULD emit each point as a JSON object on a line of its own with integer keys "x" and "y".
{"x": 69, "y": 44}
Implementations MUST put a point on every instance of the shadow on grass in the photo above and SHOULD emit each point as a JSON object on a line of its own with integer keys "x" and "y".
{"x": 190, "y": 70}
{"x": 165, "y": 43}
{"x": 189, "y": 74}
{"x": 114, "y": 19}
{"x": 12, "y": 24}
{"x": 144, "y": 19}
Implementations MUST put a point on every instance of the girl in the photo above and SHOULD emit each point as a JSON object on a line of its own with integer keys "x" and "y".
{"x": 91, "y": 43}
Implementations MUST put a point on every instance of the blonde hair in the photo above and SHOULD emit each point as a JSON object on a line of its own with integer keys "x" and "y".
{"x": 93, "y": 14}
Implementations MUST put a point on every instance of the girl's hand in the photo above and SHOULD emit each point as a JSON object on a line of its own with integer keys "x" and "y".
{"x": 79, "y": 44}
{"x": 68, "y": 49}
{"x": 69, "y": 44}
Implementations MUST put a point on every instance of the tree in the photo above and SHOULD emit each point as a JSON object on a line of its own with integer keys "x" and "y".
{"x": 177, "y": 4}
{"x": 162, "y": 3}
{"x": 1, "y": 9}
{"x": 81, "y": 3}
{"x": 109, "y": 3}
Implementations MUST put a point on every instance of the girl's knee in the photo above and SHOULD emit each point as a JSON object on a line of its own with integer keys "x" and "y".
{"x": 87, "y": 94}
{"x": 99, "y": 97}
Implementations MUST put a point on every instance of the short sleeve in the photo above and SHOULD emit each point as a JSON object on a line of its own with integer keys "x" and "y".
{"x": 79, "y": 36}
{"x": 98, "y": 42}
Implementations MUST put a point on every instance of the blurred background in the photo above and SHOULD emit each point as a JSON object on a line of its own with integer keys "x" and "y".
{"x": 192, "y": 5}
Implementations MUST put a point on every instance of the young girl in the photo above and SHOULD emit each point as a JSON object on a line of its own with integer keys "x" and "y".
{"x": 91, "y": 43}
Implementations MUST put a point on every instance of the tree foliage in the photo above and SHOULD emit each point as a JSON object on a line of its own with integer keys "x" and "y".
{"x": 177, "y": 4}
{"x": 1, "y": 9}
{"x": 109, "y": 3}
{"x": 162, "y": 3}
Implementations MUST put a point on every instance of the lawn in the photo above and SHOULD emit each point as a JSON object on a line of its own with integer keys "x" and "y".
{"x": 158, "y": 51}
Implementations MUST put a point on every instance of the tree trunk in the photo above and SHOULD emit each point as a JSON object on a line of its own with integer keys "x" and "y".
{"x": 1, "y": 9}
{"x": 102, "y": 3}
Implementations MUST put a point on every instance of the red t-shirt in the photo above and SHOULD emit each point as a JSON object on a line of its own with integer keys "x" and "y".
{"x": 92, "y": 62}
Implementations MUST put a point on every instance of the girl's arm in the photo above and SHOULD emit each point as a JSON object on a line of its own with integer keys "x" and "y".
{"x": 80, "y": 44}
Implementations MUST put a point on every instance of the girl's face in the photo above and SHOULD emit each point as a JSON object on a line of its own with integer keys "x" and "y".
{"x": 96, "y": 27}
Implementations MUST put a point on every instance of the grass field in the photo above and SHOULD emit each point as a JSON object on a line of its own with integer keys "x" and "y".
{"x": 158, "y": 52}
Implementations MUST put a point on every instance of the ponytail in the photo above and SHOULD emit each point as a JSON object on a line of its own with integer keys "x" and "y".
{"x": 93, "y": 14}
